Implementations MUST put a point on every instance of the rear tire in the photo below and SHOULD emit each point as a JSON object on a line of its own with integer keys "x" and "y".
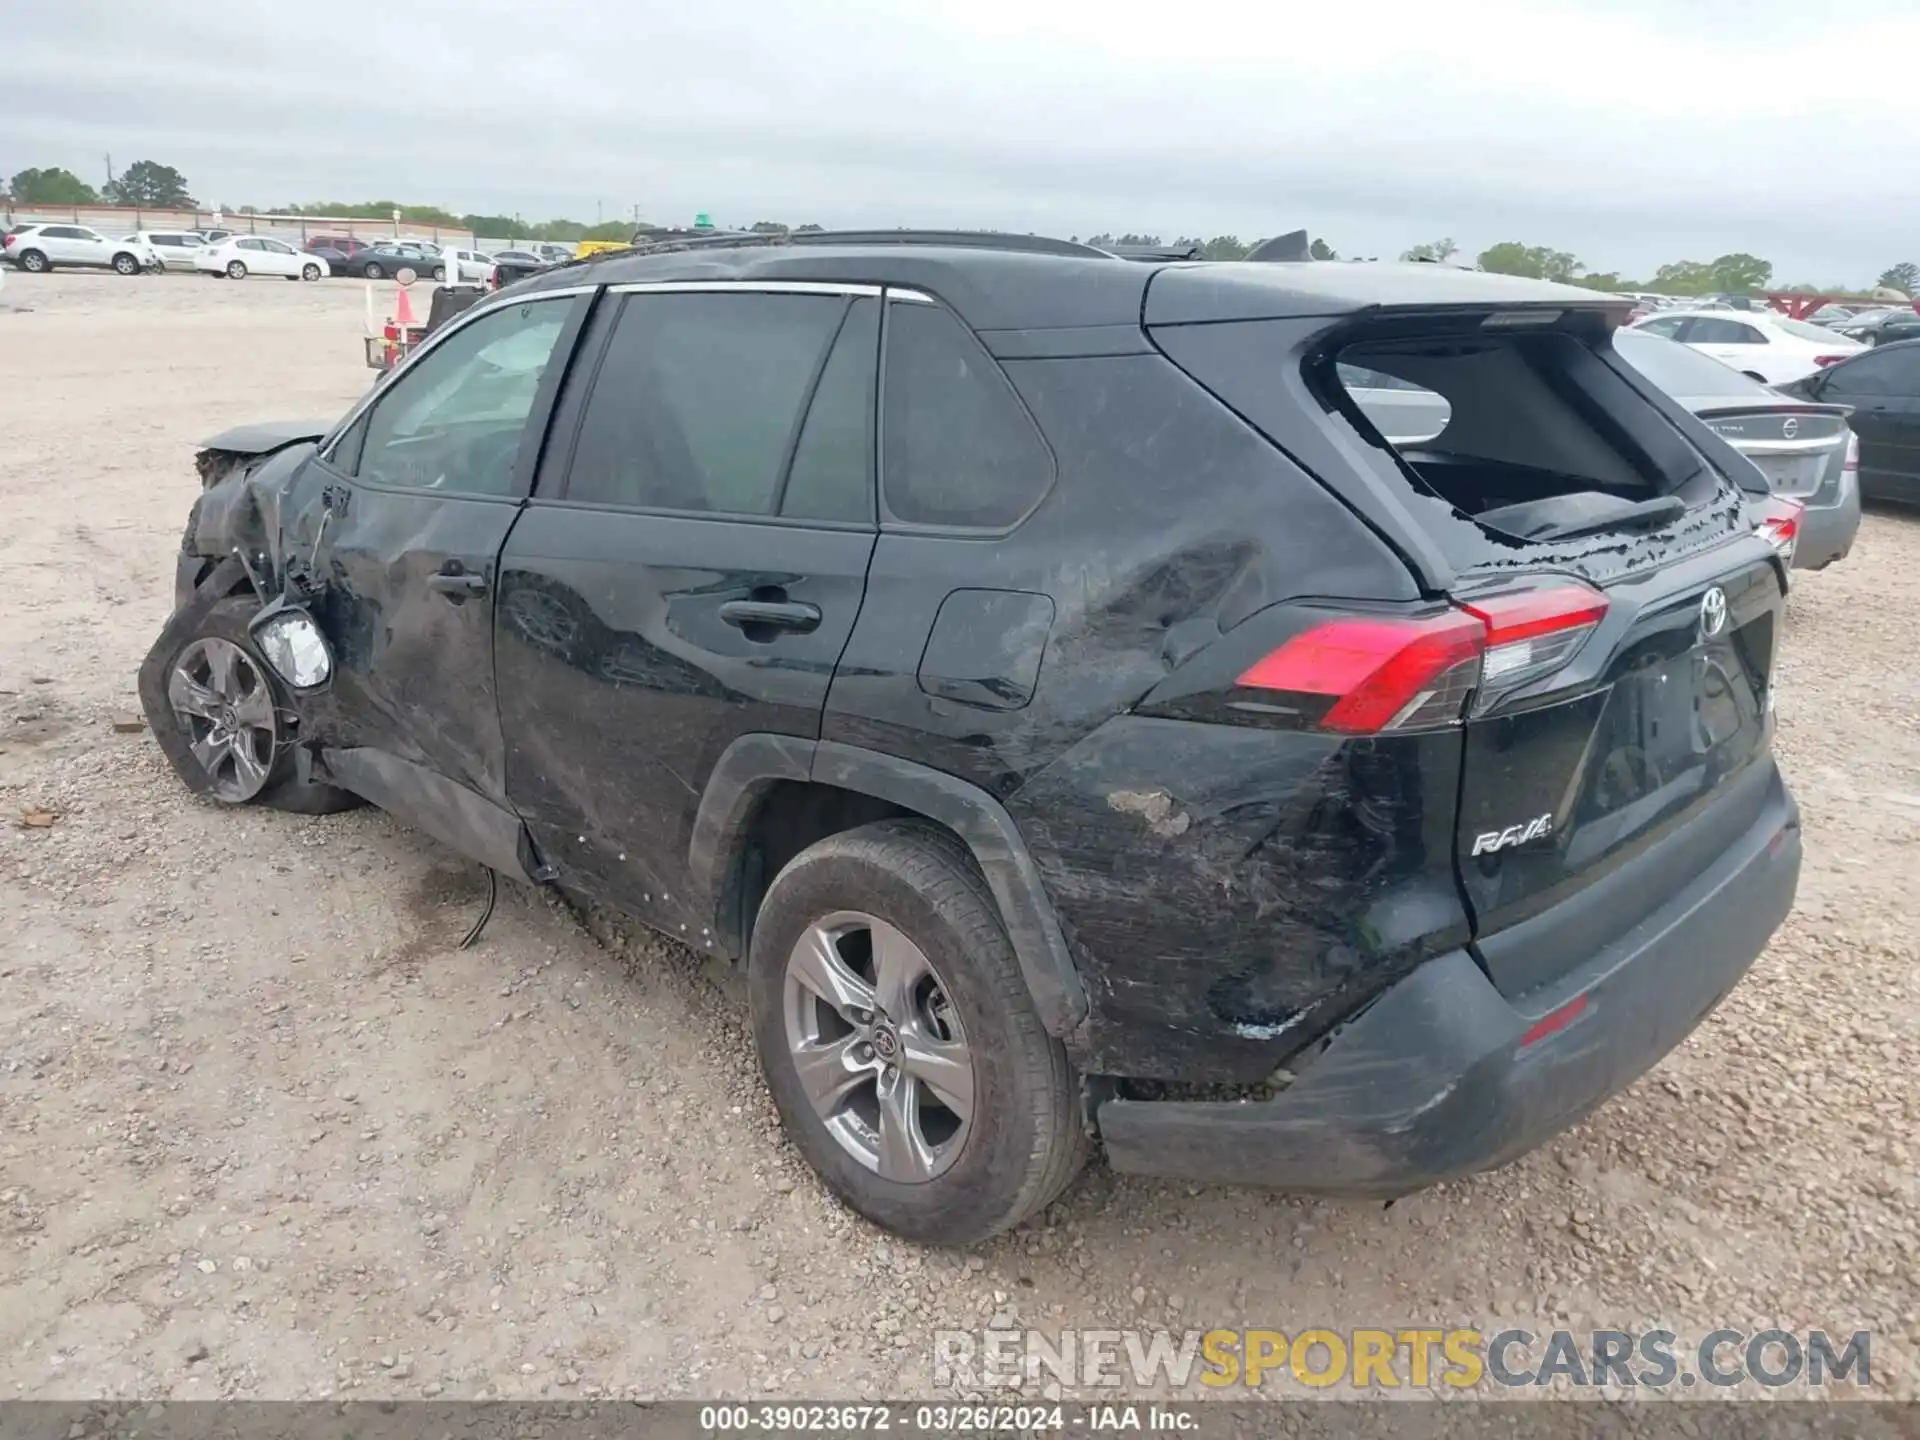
{"x": 223, "y": 632}
{"x": 1021, "y": 1141}
{"x": 373, "y": 271}
{"x": 34, "y": 263}
{"x": 236, "y": 271}
{"x": 439, "y": 273}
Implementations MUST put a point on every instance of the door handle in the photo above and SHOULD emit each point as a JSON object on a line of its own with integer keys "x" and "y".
{"x": 791, "y": 615}
{"x": 457, "y": 583}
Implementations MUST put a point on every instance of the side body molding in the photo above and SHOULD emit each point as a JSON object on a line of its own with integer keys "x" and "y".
{"x": 753, "y": 763}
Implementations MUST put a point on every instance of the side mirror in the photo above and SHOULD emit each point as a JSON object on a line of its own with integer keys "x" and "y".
{"x": 292, "y": 643}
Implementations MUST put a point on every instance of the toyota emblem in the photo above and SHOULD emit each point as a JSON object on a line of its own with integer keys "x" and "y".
{"x": 1713, "y": 613}
{"x": 1790, "y": 428}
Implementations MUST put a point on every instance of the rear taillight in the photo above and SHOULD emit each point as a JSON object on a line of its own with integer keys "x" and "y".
{"x": 1403, "y": 674}
{"x": 1531, "y": 633}
{"x": 1825, "y": 360}
{"x": 1852, "y": 462}
{"x": 1780, "y": 525}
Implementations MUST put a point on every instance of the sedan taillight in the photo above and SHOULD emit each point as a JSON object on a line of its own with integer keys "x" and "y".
{"x": 1825, "y": 360}
{"x": 1780, "y": 525}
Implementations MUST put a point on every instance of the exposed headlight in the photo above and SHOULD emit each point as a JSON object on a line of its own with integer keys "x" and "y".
{"x": 295, "y": 648}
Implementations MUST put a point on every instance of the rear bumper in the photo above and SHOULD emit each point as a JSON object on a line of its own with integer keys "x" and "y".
{"x": 1827, "y": 531}
{"x": 1433, "y": 1080}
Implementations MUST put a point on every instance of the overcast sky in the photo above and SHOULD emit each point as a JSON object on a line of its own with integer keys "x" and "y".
{"x": 1630, "y": 132}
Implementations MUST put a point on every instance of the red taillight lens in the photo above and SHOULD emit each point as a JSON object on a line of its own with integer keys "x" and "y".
{"x": 1780, "y": 525}
{"x": 1383, "y": 672}
{"x": 1852, "y": 462}
{"x": 1825, "y": 360}
{"x": 1395, "y": 674}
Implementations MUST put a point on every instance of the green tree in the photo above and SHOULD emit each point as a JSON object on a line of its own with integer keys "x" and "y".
{"x": 1440, "y": 250}
{"x": 148, "y": 182}
{"x": 52, "y": 186}
{"x": 1684, "y": 277}
{"x": 1904, "y": 277}
{"x": 492, "y": 226}
{"x": 1225, "y": 247}
{"x": 808, "y": 229}
{"x": 767, "y": 227}
{"x": 1537, "y": 262}
{"x": 1320, "y": 250}
{"x": 1740, "y": 273}
{"x": 608, "y": 230}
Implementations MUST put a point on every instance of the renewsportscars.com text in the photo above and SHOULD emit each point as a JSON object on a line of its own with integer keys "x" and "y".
{"x": 1380, "y": 1360}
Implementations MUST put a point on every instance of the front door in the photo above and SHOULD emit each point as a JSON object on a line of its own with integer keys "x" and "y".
{"x": 403, "y": 518}
{"x": 688, "y": 571}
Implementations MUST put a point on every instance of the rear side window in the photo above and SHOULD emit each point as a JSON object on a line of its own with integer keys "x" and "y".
{"x": 697, "y": 399}
{"x": 958, "y": 447}
{"x": 1890, "y": 372}
{"x": 1708, "y": 330}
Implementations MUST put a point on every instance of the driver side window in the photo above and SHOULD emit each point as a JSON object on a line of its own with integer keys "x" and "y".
{"x": 451, "y": 421}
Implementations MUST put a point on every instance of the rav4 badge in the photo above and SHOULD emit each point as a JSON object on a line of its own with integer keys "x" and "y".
{"x": 1489, "y": 841}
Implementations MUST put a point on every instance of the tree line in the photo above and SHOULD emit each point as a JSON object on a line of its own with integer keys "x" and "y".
{"x": 149, "y": 183}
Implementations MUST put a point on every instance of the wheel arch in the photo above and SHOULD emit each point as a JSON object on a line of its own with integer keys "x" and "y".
{"x": 755, "y": 769}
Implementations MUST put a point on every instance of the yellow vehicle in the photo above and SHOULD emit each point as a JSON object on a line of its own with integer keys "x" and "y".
{"x": 594, "y": 247}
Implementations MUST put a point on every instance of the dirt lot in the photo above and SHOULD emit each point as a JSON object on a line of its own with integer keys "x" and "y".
{"x": 265, "y": 1132}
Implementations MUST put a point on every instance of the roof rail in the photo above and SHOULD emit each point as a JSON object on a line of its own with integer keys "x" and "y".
{"x": 970, "y": 239}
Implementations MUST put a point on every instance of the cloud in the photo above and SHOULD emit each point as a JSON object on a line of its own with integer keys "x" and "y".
{"x": 1628, "y": 133}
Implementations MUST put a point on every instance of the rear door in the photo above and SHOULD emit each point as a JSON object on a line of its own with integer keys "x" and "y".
{"x": 689, "y": 570}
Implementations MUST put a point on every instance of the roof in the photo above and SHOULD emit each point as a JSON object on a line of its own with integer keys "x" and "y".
{"x": 1034, "y": 284}
{"x": 991, "y": 289}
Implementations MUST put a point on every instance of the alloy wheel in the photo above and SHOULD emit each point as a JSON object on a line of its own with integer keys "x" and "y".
{"x": 226, "y": 708}
{"x": 878, "y": 1047}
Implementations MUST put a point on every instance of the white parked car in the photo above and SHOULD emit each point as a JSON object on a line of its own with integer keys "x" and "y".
{"x": 40, "y": 247}
{"x": 1761, "y": 344}
{"x": 246, "y": 255}
{"x": 472, "y": 265}
{"x": 176, "y": 248}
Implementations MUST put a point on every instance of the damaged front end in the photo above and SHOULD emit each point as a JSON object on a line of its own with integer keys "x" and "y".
{"x": 246, "y": 475}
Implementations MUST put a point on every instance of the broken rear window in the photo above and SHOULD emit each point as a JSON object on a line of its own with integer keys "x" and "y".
{"x": 1541, "y": 439}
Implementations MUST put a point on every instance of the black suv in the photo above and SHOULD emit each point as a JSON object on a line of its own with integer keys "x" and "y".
{"x": 1035, "y": 668}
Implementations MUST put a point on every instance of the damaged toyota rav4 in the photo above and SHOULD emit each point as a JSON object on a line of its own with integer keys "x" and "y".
{"x": 1082, "y": 722}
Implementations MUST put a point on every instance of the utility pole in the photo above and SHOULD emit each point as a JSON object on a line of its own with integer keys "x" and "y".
{"x": 109, "y": 169}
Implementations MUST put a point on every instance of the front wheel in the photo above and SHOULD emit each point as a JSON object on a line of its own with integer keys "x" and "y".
{"x": 900, "y": 1043}
{"x": 236, "y": 271}
{"x": 309, "y": 272}
{"x": 223, "y": 721}
{"x": 126, "y": 265}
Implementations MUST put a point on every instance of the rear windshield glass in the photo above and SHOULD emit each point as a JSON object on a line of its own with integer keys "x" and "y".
{"x": 1681, "y": 371}
{"x": 1541, "y": 439}
{"x": 1804, "y": 330}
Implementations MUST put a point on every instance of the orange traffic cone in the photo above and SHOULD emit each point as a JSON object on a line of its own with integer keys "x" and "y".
{"x": 402, "y": 307}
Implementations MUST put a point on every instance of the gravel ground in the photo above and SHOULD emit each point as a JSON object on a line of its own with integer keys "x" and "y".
{"x": 264, "y": 1132}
